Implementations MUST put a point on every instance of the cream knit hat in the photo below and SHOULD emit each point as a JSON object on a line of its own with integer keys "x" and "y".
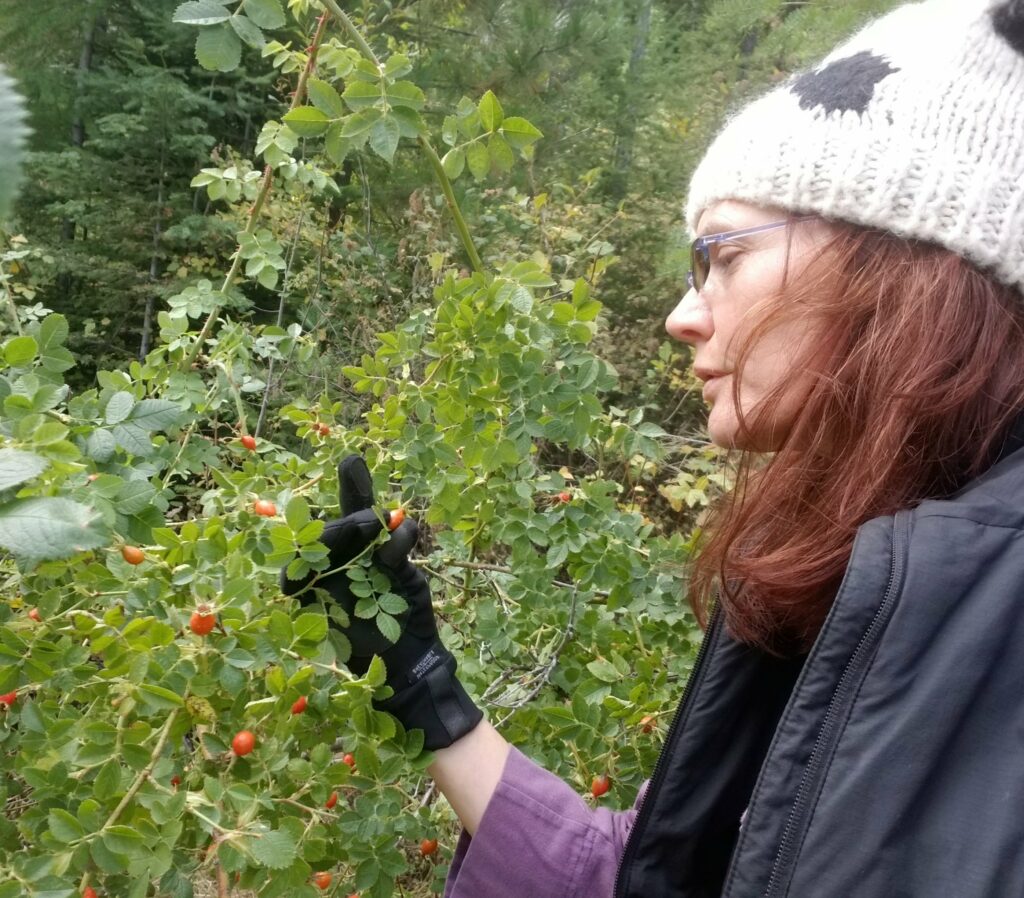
{"x": 915, "y": 125}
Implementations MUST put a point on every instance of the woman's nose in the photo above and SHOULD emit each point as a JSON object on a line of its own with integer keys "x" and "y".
{"x": 690, "y": 321}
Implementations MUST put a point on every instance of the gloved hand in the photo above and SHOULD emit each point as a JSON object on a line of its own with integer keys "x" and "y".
{"x": 419, "y": 668}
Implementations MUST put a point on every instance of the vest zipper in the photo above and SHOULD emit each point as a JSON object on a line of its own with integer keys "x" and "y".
{"x": 785, "y": 857}
{"x": 682, "y": 712}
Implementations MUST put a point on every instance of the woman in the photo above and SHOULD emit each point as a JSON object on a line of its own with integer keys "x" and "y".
{"x": 854, "y": 724}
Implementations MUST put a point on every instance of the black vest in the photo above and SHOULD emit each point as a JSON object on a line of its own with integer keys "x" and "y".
{"x": 890, "y": 763}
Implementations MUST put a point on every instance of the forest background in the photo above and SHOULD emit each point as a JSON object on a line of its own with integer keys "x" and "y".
{"x": 240, "y": 252}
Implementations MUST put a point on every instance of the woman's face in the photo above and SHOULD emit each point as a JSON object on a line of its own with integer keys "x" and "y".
{"x": 744, "y": 278}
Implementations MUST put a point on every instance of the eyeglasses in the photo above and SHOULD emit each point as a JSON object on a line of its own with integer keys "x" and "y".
{"x": 700, "y": 249}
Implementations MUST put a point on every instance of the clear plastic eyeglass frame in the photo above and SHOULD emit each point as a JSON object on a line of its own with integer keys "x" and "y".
{"x": 700, "y": 249}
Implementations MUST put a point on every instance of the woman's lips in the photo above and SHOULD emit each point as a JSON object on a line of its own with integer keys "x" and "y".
{"x": 709, "y": 384}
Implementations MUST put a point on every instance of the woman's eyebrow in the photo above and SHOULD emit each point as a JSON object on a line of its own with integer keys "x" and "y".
{"x": 716, "y": 226}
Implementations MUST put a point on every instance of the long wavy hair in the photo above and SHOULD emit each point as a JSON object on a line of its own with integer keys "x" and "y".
{"x": 921, "y": 380}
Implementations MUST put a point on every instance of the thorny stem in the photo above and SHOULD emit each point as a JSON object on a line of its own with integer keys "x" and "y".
{"x": 143, "y": 774}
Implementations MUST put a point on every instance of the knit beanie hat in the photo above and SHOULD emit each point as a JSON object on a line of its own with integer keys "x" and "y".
{"x": 915, "y": 125}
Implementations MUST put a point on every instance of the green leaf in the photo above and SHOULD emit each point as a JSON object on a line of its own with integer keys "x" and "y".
{"x": 336, "y": 144}
{"x": 479, "y": 160}
{"x": 107, "y": 781}
{"x": 310, "y": 627}
{"x": 123, "y": 840}
{"x": 519, "y": 132}
{"x": 307, "y": 121}
{"x": 20, "y": 351}
{"x": 134, "y": 496}
{"x": 296, "y": 513}
{"x": 362, "y": 95}
{"x": 13, "y": 134}
{"x": 384, "y": 138}
{"x": 388, "y": 627}
{"x": 406, "y": 94}
{"x": 454, "y": 162}
{"x": 491, "y": 114}
{"x": 604, "y": 670}
{"x": 44, "y": 528}
{"x": 326, "y": 98}
{"x": 377, "y": 673}
{"x": 160, "y": 698}
{"x": 17, "y": 466}
{"x": 119, "y": 407}
{"x": 155, "y": 414}
{"x": 265, "y": 13}
{"x": 65, "y": 827}
{"x": 392, "y": 603}
{"x": 52, "y": 334}
{"x": 500, "y": 152}
{"x": 132, "y": 438}
{"x": 248, "y": 32}
{"x": 357, "y": 127}
{"x": 218, "y": 49}
{"x": 275, "y": 849}
{"x": 397, "y": 65}
{"x": 201, "y": 12}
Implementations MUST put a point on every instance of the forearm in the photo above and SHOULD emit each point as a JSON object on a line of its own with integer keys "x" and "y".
{"x": 468, "y": 771}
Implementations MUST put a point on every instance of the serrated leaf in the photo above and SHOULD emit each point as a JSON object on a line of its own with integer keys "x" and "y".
{"x": 357, "y": 127}
{"x": 326, "y": 98}
{"x": 296, "y": 513}
{"x": 19, "y": 351}
{"x": 64, "y": 827}
{"x": 218, "y": 48}
{"x": 392, "y": 603}
{"x": 248, "y": 31}
{"x": 519, "y": 132}
{"x": 265, "y": 13}
{"x": 336, "y": 144}
{"x": 119, "y": 407}
{"x": 407, "y": 94}
{"x": 107, "y": 781}
{"x": 310, "y": 627}
{"x": 274, "y": 850}
{"x": 377, "y": 672}
{"x": 132, "y": 438}
{"x": 384, "y": 138}
{"x": 155, "y": 414}
{"x": 388, "y": 627}
{"x": 100, "y": 446}
{"x": 46, "y": 528}
{"x": 17, "y": 466}
{"x": 362, "y": 95}
{"x": 134, "y": 496}
{"x": 604, "y": 670}
{"x": 160, "y": 698}
{"x": 52, "y": 333}
{"x": 200, "y": 12}
{"x": 122, "y": 839}
{"x": 500, "y": 152}
{"x": 478, "y": 159}
{"x": 491, "y": 113}
{"x": 454, "y": 162}
{"x": 307, "y": 121}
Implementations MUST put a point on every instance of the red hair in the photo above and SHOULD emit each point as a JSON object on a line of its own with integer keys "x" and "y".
{"x": 923, "y": 381}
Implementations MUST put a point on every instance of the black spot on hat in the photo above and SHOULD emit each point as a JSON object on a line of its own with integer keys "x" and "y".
{"x": 844, "y": 85}
{"x": 1008, "y": 19}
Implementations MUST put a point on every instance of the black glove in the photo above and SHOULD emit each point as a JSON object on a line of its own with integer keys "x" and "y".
{"x": 419, "y": 668}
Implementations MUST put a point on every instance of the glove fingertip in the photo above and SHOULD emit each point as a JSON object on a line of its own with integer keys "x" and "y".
{"x": 355, "y": 485}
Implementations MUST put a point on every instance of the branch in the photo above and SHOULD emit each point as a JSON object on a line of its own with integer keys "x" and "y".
{"x": 257, "y": 206}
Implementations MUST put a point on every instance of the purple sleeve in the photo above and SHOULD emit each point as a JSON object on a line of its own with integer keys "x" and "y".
{"x": 539, "y": 837}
